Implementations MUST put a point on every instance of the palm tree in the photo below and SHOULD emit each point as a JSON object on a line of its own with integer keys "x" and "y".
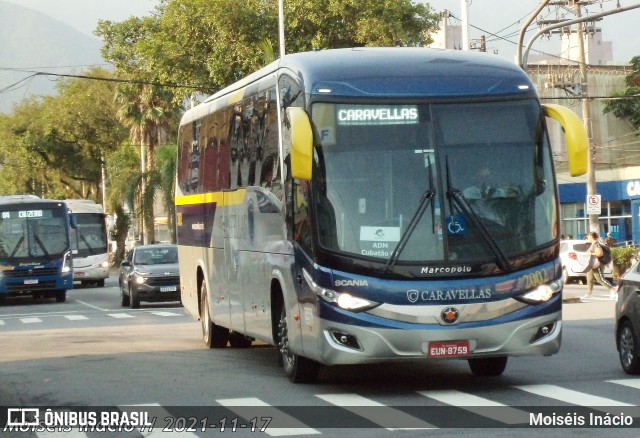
{"x": 149, "y": 112}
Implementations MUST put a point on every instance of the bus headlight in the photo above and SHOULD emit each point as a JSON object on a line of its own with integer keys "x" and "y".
{"x": 104, "y": 264}
{"x": 542, "y": 293}
{"x": 67, "y": 263}
{"x": 343, "y": 300}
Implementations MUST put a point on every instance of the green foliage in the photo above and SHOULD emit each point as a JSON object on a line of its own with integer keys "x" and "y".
{"x": 628, "y": 106}
{"x": 208, "y": 44}
{"x": 623, "y": 258}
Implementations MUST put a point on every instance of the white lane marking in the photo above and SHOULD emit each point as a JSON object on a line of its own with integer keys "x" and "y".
{"x": 30, "y": 320}
{"x": 1, "y": 322}
{"x": 120, "y": 315}
{"x": 243, "y": 406}
{"x": 160, "y": 313}
{"x": 575, "y": 397}
{"x": 389, "y": 417}
{"x": 631, "y": 383}
{"x": 75, "y": 317}
{"x": 479, "y": 405}
{"x": 92, "y": 306}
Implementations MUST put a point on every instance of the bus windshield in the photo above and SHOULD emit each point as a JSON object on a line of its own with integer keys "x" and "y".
{"x": 29, "y": 233}
{"x": 90, "y": 235}
{"x": 485, "y": 167}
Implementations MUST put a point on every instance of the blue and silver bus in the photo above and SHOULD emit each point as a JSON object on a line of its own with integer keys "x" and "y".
{"x": 35, "y": 252}
{"x": 375, "y": 204}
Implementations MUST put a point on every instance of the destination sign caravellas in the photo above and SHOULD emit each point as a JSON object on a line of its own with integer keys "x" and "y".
{"x": 377, "y": 115}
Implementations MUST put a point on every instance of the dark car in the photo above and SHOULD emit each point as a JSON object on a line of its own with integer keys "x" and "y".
{"x": 628, "y": 320}
{"x": 150, "y": 273}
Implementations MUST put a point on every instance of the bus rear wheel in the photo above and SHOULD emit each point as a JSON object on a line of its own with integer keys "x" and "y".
{"x": 297, "y": 368}
{"x": 488, "y": 366}
{"x": 214, "y": 336}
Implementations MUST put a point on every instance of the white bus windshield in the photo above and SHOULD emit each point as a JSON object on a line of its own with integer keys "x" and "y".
{"x": 90, "y": 235}
{"x": 375, "y": 163}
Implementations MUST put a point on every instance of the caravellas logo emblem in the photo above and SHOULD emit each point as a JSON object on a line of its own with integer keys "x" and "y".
{"x": 413, "y": 295}
{"x": 450, "y": 315}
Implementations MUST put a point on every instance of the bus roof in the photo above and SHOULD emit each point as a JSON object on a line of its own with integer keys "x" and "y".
{"x": 83, "y": 206}
{"x": 398, "y": 72}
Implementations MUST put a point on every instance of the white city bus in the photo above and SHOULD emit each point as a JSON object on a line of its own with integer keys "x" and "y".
{"x": 365, "y": 205}
{"x": 89, "y": 242}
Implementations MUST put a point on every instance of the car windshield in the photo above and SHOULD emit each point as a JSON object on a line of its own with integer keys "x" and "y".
{"x": 376, "y": 163}
{"x": 156, "y": 256}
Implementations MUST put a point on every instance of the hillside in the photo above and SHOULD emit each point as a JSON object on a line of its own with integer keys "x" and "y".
{"x": 30, "y": 40}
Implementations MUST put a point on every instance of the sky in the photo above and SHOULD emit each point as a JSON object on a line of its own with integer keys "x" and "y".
{"x": 486, "y": 17}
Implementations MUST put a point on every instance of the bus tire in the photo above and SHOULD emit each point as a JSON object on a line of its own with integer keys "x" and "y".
{"x": 238, "y": 340}
{"x": 488, "y": 366}
{"x": 61, "y": 296}
{"x": 134, "y": 299}
{"x": 100, "y": 283}
{"x": 297, "y": 368}
{"x": 214, "y": 336}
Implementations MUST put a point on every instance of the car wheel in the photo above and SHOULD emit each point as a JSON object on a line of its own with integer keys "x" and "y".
{"x": 488, "y": 366}
{"x": 628, "y": 348}
{"x": 565, "y": 276}
{"x": 134, "y": 299}
{"x": 297, "y": 368}
{"x": 214, "y": 336}
{"x": 124, "y": 299}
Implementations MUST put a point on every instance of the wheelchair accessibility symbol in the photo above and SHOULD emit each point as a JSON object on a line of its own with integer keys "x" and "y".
{"x": 456, "y": 225}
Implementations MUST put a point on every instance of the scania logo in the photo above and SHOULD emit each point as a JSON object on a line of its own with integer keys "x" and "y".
{"x": 351, "y": 283}
{"x": 450, "y": 315}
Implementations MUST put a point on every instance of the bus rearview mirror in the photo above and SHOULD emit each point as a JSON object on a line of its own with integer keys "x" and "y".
{"x": 575, "y": 134}
{"x": 301, "y": 143}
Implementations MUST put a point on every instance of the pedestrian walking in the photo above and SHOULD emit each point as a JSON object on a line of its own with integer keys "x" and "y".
{"x": 600, "y": 256}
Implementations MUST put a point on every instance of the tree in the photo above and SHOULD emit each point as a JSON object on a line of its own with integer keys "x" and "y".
{"x": 44, "y": 140}
{"x": 626, "y": 106}
{"x": 205, "y": 45}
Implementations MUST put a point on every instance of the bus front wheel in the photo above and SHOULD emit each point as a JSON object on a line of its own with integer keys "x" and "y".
{"x": 297, "y": 368}
{"x": 61, "y": 296}
{"x": 214, "y": 336}
{"x": 488, "y": 366}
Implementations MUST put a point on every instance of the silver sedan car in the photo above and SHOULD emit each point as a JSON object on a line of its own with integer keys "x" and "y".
{"x": 628, "y": 320}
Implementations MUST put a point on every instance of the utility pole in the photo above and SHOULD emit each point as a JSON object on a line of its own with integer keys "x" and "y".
{"x": 465, "y": 24}
{"x": 594, "y": 219}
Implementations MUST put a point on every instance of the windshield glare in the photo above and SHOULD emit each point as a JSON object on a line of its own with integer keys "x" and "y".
{"x": 374, "y": 163}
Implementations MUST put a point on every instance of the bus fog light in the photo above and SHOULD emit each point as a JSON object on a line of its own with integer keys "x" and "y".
{"x": 346, "y": 339}
{"x": 543, "y": 331}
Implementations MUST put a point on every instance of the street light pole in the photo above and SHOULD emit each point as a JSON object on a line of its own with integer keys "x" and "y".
{"x": 281, "y": 26}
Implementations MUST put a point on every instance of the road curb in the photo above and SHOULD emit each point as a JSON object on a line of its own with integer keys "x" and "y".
{"x": 571, "y": 300}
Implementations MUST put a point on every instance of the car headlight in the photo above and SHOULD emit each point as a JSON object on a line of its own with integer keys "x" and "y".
{"x": 139, "y": 278}
{"x": 343, "y": 300}
{"x": 542, "y": 293}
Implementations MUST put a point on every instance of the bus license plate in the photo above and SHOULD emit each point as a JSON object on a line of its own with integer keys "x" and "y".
{"x": 449, "y": 349}
{"x": 167, "y": 288}
{"x": 78, "y": 274}
{"x": 31, "y": 281}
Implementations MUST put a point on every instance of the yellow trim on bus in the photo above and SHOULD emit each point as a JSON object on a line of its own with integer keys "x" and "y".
{"x": 221, "y": 198}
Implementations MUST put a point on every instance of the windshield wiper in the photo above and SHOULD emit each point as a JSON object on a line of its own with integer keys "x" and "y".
{"x": 15, "y": 250}
{"x": 425, "y": 200}
{"x": 86, "y": 242}
{"x": 41, "y": 245}
{"x": 462, "y": 203}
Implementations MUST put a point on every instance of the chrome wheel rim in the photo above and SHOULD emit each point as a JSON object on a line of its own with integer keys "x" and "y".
{"x": 627, "y": 347}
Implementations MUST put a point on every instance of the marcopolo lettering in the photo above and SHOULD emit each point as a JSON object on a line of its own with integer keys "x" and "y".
{"x": 445, "y": 269}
